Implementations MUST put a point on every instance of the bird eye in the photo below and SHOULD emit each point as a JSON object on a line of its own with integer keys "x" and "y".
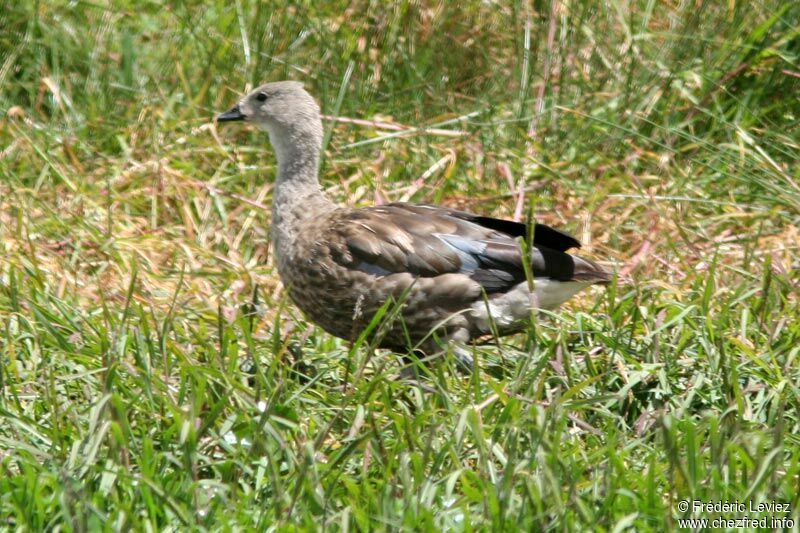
{"x": 261, "y": 97}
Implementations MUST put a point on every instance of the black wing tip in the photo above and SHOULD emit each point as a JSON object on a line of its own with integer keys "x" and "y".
{"x": 553, "y": 238}
{"x": 543, "y": 235}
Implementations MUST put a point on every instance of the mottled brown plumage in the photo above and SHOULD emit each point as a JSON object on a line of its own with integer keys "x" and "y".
{"x": 455, "y": 273}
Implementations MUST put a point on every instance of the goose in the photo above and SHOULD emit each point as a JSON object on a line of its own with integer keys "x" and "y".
{"x": 453, "y": 276}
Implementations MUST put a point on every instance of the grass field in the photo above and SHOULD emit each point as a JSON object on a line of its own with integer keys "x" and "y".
{"x": 154, "y": 375}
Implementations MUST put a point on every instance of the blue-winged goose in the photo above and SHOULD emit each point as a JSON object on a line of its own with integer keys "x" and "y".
{"x": 450, "y": 269}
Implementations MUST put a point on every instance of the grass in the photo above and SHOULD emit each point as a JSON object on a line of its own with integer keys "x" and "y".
{"x": 153, "y": 374}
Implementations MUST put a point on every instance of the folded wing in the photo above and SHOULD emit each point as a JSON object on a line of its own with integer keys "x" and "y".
{"x": 428, "y": 241}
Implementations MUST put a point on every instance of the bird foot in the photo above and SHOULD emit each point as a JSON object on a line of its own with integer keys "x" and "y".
{"x": 465, "y": 363}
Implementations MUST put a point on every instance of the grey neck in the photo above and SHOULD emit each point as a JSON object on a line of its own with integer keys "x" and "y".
{"x": 297, "y": 196}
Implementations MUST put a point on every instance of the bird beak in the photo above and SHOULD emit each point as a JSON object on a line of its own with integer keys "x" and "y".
{"x": 232, "y": 114}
